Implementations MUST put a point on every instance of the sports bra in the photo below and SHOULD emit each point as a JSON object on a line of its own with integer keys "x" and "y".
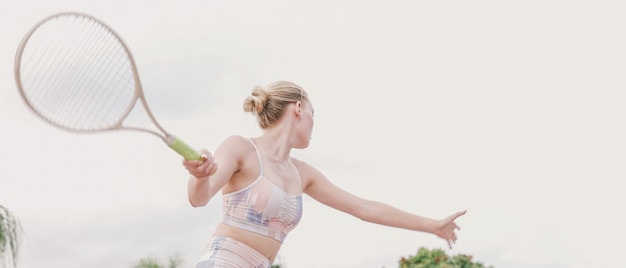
{"x": 262, "y": 207}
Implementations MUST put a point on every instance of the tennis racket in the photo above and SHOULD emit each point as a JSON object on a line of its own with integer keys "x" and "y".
{"x": 76, "y": 73}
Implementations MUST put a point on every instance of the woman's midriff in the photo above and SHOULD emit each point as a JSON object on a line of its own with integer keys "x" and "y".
{"x": 267, "y": 246}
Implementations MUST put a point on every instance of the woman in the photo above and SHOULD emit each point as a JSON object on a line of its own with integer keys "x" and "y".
{"x": 262, "y": 185}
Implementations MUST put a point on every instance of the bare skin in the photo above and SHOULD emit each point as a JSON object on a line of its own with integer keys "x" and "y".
{"x": 238, "y": 167}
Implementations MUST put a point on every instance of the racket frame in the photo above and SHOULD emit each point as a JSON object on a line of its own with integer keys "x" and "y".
{"x": 173, "y": 142}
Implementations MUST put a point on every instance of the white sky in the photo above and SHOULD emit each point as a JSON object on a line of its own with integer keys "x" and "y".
{"x": 513, "y": 110}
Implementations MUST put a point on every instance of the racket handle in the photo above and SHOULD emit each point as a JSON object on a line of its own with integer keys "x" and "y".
{"x": 182, "y": 148}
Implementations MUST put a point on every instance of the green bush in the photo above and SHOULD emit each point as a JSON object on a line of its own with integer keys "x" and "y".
{"x": 437, "y": 258}
{"x": 151, "y": 262}
{"x": 10, "y": 236}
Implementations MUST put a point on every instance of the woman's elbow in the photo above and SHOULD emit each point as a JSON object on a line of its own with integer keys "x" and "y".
{"x": 196, "y": 203}
{"x": 364, "y": 213}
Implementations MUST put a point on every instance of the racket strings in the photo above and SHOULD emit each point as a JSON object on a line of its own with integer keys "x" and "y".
{"x": 100, "y": 74}
{"x": 72, "y": 76}
{"x": 50, "y": 66}
{"x": 75, "y": 77}
{"x": 77, "y": 74}
{"x": 98, "y": 100}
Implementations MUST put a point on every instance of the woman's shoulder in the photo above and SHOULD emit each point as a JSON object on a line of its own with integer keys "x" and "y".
{"x": 236, "y": 144}
{"x": 308, "y": 173}
{"x": 298, "y": 162}
{"x": 235, "y": 139}
{"x": 302, "y": 166}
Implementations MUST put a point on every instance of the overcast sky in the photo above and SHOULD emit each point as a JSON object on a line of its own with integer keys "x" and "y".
{"x": 513, "y": 110}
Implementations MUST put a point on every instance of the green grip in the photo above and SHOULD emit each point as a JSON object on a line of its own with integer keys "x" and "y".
{"x": 182, "y": 148}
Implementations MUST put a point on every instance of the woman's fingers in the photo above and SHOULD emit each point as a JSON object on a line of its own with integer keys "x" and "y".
{"x": 449, "y": 227}
{"x": 458, "y": 214}
{"x": 203, "y": 167}
{"x": 210, "y": 168}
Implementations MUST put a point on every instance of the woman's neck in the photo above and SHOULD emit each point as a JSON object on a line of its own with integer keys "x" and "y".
{"x": 276, "y": 143}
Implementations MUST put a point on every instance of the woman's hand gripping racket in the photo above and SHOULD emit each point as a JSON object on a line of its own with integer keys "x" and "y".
{"x": 77, "y": 74}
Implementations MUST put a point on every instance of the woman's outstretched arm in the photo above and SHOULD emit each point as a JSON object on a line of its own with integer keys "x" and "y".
{"x": 317, "y": 186}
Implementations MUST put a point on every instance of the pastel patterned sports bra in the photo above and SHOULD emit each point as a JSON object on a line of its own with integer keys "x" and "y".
{"x": 262, "y": 207}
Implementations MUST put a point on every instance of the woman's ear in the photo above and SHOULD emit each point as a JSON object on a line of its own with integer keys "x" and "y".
{"x": 298, "y": 107}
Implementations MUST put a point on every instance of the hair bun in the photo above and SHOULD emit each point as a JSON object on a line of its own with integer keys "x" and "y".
{"x": 255, "y": 102}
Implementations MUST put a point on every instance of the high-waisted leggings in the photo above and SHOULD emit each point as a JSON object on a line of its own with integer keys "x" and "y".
{"x": 225, "y": 252}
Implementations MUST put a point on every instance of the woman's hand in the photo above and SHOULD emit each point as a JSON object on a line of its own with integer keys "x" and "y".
{"x": 446, "y": 228}
{"x": 202, "y": 168}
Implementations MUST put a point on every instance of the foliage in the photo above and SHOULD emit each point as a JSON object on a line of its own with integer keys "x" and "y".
{"x": 151, "y": 262}
{"x": 437, "y": 258}
{"x": 10, "y": 231}
{"x": 278, "y": 263}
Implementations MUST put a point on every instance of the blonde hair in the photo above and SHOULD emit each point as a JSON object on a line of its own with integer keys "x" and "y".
{"x": 268, "y": 103}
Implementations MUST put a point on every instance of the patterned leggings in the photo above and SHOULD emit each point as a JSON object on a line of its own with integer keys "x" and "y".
{"x": 225, "y": 252}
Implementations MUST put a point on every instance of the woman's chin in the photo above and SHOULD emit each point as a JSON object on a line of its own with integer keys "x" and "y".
{"x": 303, "y": 145}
